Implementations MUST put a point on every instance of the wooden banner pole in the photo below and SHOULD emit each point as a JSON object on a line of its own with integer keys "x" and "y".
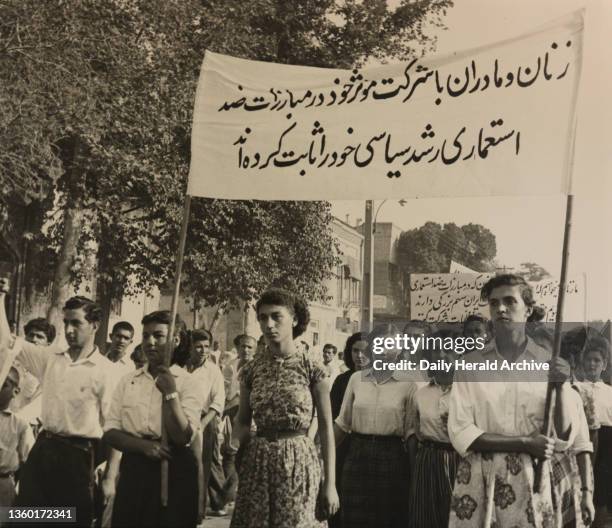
{"x": 548, "y": 408}
{"x": 171, "y": 330}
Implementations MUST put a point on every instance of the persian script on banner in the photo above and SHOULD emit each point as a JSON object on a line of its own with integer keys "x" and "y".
{"x": 497, "y": 120}
{"x": 451, "y": 297}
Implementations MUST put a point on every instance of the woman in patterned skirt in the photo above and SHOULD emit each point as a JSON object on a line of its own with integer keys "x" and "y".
{"x": 495, "y": 419}
{"x": 279, "y": 471}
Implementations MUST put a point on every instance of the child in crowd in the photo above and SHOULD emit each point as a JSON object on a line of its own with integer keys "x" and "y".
{"x": 16, "y": 439}
{"x": 433, "y": 459}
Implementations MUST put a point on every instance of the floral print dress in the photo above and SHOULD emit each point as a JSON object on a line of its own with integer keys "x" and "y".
{"x": 507, "y": 498}
{"x": 279, "y": 479}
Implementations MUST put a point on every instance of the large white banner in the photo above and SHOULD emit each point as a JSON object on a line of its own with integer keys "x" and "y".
{"x": 451, "y": 297}
{"x": 497, "y": 120}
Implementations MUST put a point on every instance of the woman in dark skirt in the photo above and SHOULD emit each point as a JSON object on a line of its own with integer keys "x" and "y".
{"x": 378, "y": 414}
{"x": 435, "y": 460}
{"x": 356, "y": 358}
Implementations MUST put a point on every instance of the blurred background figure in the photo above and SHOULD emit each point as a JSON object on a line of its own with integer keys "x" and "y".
{"x": 356, "y": 357}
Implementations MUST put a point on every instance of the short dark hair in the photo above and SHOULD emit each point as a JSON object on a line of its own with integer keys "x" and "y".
{"x": 137, "y": 353}
{"x": 537, "y": 314}
{"x": 40, "y": 324}
{"x": 474, "y": 318}
{"x": 93, "y": 312}
{"x": 423, "y": 325}
{"x": 348, "y": 348}
{"x": 382, "y": 330}
{"x": 201, "y": 335}
{"x": 164, "y": 317}
{"x": 329, "y": 345}
{"x": 437, "y": 338}
{"x": 240, "y": 337}
{"x": 597, "y": 343}
{"x": 123, "y": 325}
{"x": 582, "y": 339}
{"x": 508, "y": 279}
{"x": 181, "y": 352}
{"x": 293, "y": 303}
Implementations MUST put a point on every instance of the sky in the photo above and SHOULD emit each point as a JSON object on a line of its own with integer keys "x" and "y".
{"x": 531, "y": 228}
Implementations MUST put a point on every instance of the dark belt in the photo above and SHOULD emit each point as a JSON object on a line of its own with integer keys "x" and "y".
{"x": 7, "y": 475}
{"x": 376, "y": 438}
{"x": 80, "y": 442}
{"x": 432, "y": 444}
{"x": 272, "y": 435}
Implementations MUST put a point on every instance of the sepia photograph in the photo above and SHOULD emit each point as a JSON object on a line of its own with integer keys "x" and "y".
{"x": 306, "y": 263}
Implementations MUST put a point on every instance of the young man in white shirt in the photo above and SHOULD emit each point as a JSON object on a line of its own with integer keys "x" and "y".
{"x": 331, "y": 363}
{"x": 211, "y": 382}
{"x": 76, "y": 389}
{"x": 121, "y": 338}
{"x": 141, "y": 401}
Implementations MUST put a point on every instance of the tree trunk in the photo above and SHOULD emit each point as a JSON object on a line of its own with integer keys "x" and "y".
{"x": 104, "y": 297}
{"x": 62, "y": 285}
{"x": 215, "y": 320}
{"x": 73, "y": 222}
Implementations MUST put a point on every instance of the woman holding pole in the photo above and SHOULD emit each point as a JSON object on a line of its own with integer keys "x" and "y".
{"x": 495, "y": 419}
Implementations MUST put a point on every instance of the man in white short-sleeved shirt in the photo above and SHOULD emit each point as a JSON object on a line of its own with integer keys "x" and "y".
{"x": 76, "y": 386}
{"x": 141, "y": 401}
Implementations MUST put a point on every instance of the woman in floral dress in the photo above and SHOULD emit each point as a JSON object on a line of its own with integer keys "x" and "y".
{"x": 279, "y": 470}
{"x": 495, "y": 419}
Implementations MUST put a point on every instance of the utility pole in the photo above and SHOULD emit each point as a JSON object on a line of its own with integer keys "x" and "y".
{"x": 367, "y": 297}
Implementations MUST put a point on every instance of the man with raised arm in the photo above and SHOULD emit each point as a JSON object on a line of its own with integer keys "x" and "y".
{"x": 76, "y": 393}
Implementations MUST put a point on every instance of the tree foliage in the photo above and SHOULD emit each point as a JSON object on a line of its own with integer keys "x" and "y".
{"x": 97, "y": 100}
{"x": 532, "y": 271}
{"x": 431, "y": 247}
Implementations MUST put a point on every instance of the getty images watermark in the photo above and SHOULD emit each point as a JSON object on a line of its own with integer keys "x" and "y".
{"x": 444, "y": 345}
{"x": 502, "y": 352}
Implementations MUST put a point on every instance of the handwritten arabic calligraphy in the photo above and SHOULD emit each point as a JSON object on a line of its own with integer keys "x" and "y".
{"x": 448, "y": 297}
{"x": 383, "y": 147}
{"x": 495, "y": 120}
{"x": 451, "y": 297}
{"x": 417, "y": 77}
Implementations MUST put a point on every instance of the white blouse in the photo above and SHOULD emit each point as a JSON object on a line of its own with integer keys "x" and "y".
{"x": 492, "y": 405}
{"x": 386, "y": 408}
